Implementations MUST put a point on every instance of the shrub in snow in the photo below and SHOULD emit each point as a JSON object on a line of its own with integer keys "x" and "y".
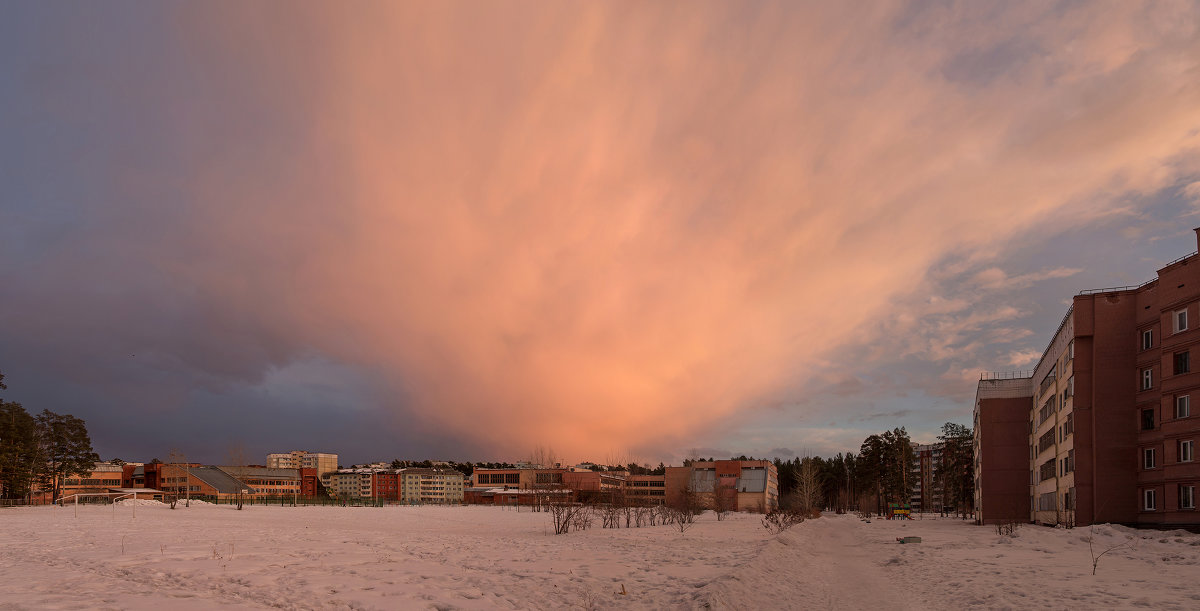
{"x": 1008, "y": 529}
{"x": 779, "y": 520}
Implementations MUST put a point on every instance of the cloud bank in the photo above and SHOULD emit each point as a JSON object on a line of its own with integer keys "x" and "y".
{"x": 609, "y": 225}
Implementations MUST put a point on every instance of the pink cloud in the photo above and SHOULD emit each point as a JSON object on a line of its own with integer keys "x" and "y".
{"x": 594, "y": 227}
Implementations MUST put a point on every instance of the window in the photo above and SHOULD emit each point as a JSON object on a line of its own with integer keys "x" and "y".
{"x": 1148, "y": 500}
{"x": 1070, "y": 426}
{"x": 1147, "y": 379}
{"x": 1180, "y": 319}
{"x": 1187, "y": 497}
{"x": 1148, "y": 458}
{"x": 1183, "y": 406}
{"x": 1147, "y": 339}
{"x": 1046, "y": 441}
{"x": 1048, "y": 381}
{"x": 1182, "y": 363}
{"x": 1187, "y": 451}
{"x": 1047, "y": 470}
{"x": 1047, "y": 410}
{"x": 1046, "y": 501}
{"x": 1148, "y": 419}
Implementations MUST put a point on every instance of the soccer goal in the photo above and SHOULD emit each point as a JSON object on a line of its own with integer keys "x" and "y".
{"x": 105, "y": 498}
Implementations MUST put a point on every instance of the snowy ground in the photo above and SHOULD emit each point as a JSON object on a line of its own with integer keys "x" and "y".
{"x": 488, "y": 558}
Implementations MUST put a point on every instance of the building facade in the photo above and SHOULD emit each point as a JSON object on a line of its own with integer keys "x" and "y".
{"x": 926, "y": 476}
{"x": 1002, "y": 462}
{"x": 299, "y": 459}
{"x": 1109, "y": 427}
{"x": 744, "y": 485}
{"x": 432, "y": 486}
{"x": 102, "y": 477}
{"x": 350, "y": 484}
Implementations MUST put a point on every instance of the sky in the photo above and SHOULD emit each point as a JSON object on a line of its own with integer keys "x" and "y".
{"x": 627, "y": 231}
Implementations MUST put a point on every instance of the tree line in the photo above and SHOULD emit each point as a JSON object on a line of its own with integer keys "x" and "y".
{"x": 885, "y": 470}
{"x": 40, "y": 451}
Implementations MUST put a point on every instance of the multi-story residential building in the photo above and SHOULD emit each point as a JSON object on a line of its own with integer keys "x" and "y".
{"x": 386, "y": 484}
{"x": 350, "y": 483}
{"x": 1110, "y": 431}
{"x": 926, "y": 474}
{"x": 300, "y": 459}
{"x": 1051, "y": 438}
{"x": 423, "y": 486}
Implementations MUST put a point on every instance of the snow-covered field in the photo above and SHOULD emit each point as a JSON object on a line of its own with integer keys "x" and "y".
{"x": 487, "y": 558}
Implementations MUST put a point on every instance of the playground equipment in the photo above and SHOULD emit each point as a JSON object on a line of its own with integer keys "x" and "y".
{"x": 899, "y": 511}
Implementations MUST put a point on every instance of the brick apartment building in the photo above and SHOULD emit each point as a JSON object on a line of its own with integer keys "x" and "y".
{"x": 1108, "y": 430}
{"x": 925, "y": 472}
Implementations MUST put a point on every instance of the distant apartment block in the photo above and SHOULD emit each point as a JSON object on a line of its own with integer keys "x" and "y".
{"x": 299, "y": 459}
{"x": 436, "y": 486}
{"x": 413, "y": 485}
{"x": 1109, "y": 432}
{"x": 926, "y": 474}
{"x": 351, "y": 484}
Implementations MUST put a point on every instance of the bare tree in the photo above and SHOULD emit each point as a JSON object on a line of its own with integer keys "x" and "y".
{"x": 1096, "y": 557}
{"x": 1064, "y": 513}
{"x": 680, "y": 518}
{"x": 866, "y": 501}
{"x": 543, "y": 456}
{"x": 179, "y": 462}
{"x": 235, "y": 457}
{"x": 1008, "y": 528}
{"x": 807, "y": 497}
{"x": 723, "y": 496}
{"x": 567, "y": 516}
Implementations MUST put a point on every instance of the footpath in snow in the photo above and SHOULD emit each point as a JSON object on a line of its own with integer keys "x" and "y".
{"x": 490, "y": 558}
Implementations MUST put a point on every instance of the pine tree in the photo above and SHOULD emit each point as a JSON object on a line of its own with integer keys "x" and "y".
{"x": 957, "y": 468}
{"x": 18, "y": 450}
{"x": 65, "y": 450}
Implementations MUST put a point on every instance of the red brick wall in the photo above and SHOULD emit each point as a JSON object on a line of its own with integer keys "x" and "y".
{"x": 1106, "y": 414}
{"x": 1004, "y": 449}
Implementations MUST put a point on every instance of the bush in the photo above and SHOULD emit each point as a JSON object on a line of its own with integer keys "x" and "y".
{"x": 1007, "y": 529}
{"x": 779, "y": 520}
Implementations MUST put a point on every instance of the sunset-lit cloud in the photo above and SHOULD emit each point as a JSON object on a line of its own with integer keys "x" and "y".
{"x": 610, "y": 225}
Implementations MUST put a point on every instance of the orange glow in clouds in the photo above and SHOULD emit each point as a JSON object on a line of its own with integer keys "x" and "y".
{"x": 601, "y": 226}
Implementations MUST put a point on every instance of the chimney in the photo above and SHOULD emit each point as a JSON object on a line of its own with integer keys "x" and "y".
{"x": 1197, "y": 230}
